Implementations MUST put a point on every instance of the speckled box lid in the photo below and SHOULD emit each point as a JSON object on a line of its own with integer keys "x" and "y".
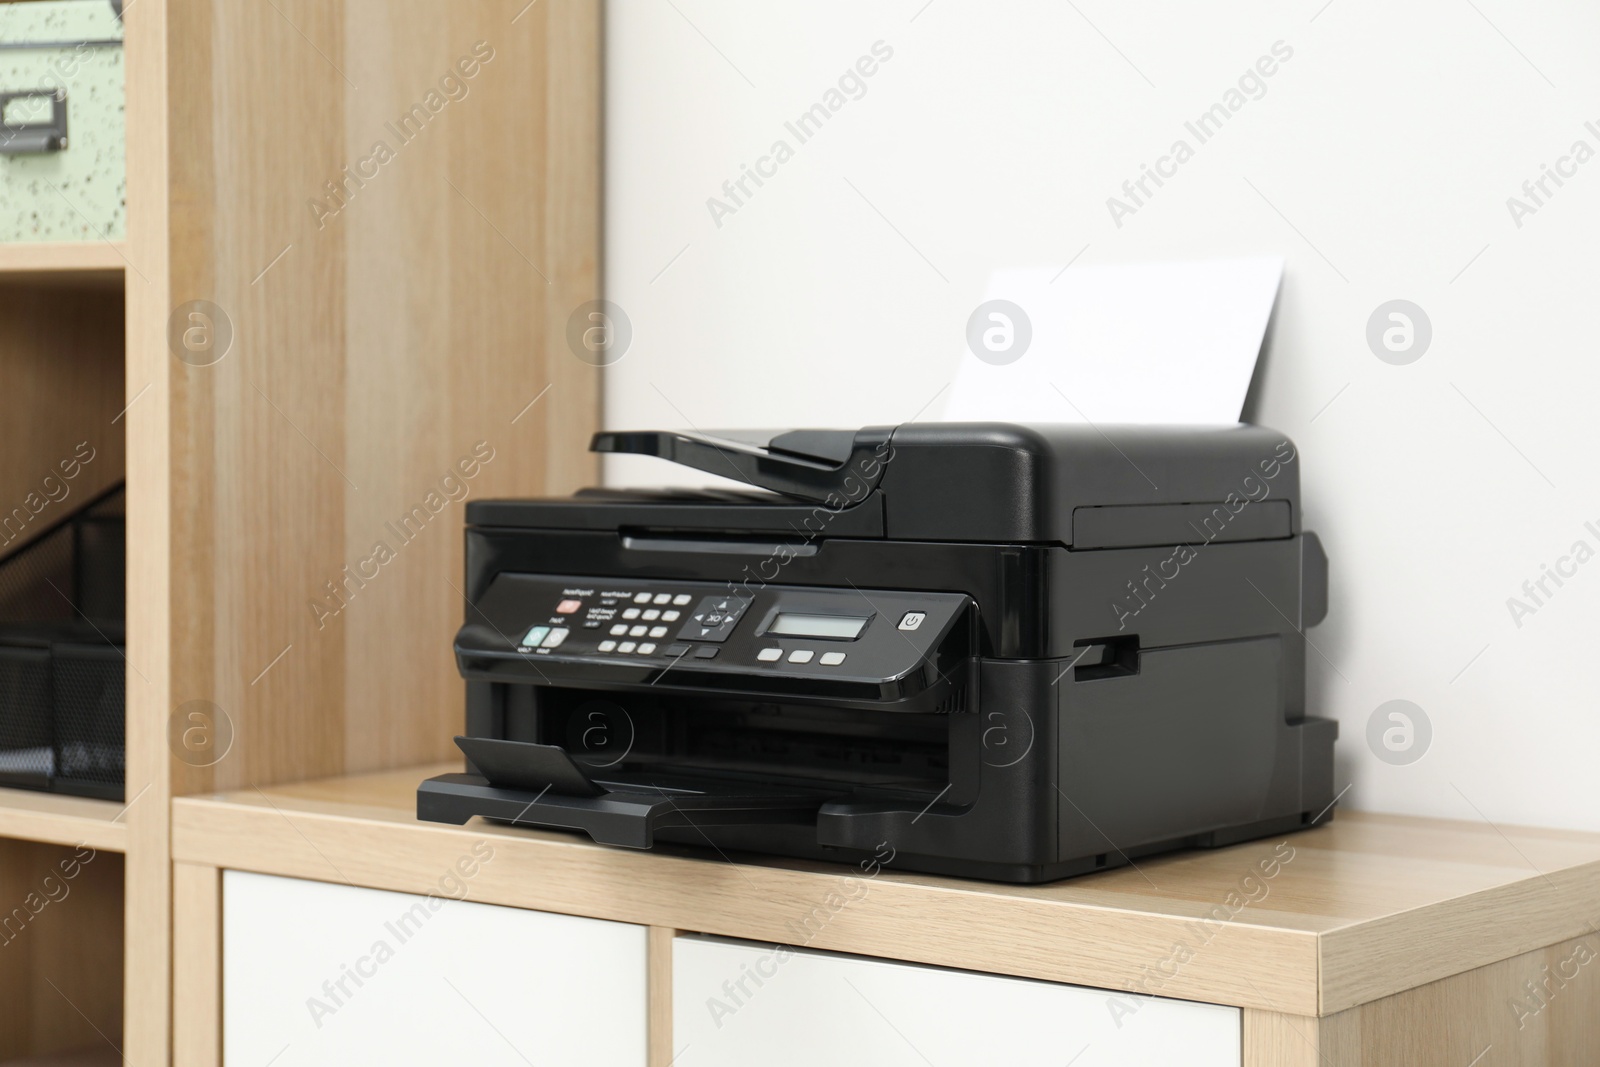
{"x": 78, "y": 193}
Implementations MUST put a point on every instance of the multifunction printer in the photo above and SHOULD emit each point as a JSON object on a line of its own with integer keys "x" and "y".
{"x": 1012, "y": 652}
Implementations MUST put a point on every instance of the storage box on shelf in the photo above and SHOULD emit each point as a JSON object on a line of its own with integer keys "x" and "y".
{"x": 61, "y": 654}
{"x": 62, "y": 171}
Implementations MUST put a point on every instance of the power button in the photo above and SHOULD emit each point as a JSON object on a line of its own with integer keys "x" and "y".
{"x": 912, "y": 619}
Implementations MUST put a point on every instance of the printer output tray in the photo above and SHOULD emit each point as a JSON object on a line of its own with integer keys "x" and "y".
{"x": 540, "y": 785}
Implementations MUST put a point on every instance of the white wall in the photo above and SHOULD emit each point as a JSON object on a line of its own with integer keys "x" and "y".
{"x": 993, "y": 136}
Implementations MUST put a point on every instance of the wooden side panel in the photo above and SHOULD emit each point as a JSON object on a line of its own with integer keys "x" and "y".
{"x": 148, "y": 362}
{"x": 394, "y": 211}
{"x": 1273, "y": 1039}
{"x": 389, "y": 213}
{"x": 196, "y": 965}
{"x": 457, "y": 297}
{"x": 659, "y": 991}
{"x": 1536, "y": 1009}
{"x": 60, "y": 949}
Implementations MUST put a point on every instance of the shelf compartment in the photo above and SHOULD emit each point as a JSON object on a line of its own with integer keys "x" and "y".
{"x": 61, "y": 955}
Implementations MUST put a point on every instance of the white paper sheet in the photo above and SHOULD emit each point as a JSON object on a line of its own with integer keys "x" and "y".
{"x": 1117, "y": 343}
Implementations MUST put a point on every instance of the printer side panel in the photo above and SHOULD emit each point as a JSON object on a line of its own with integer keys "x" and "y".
{"x": 1194, "y": 731}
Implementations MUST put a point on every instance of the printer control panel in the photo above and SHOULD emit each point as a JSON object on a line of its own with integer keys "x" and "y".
{"x": 762, "y": 631}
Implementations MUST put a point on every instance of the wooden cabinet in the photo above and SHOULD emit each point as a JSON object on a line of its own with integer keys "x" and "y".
{"x": 1383, "y": 939}
{"x": 737, "y": 1003}
{"x": 319, "y": 973}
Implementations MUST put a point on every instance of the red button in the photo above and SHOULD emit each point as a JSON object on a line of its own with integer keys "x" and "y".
{"x": 567, "y": 607}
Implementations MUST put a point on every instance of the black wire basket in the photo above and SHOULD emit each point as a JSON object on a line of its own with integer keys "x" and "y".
{"x": 62, "y": 662}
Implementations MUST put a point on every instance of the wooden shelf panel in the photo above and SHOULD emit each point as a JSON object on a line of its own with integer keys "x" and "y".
{"x": 1444, "y": 897}
{"x": 62, "y": 820}
{"x": 97, "y": 261}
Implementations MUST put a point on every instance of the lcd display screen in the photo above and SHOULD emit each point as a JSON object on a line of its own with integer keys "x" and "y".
{"x": 845, "y": 627}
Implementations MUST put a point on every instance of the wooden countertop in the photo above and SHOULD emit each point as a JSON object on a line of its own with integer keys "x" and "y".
{"x": 1308, "y": 924}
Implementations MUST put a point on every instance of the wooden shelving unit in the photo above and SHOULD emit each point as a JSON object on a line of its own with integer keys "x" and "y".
{"x": 376, "y": 342}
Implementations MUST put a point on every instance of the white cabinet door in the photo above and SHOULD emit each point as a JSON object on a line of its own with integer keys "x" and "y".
{"x": 735, "y": 1004}
{"x": 332, "y": 975}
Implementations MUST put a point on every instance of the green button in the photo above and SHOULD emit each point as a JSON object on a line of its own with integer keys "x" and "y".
{"x": 535, "y": 635}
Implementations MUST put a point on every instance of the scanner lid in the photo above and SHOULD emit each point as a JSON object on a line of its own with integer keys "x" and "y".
{"x": 1072, "y": 484}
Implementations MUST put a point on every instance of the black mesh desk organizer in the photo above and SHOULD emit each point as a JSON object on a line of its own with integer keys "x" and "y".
{"x": 62, "y": 688}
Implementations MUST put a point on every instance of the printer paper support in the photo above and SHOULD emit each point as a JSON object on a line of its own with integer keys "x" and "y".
{"x": 540, "y": 785}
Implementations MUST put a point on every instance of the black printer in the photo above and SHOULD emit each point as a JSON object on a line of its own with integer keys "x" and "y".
{"x": 988, "y": 650}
